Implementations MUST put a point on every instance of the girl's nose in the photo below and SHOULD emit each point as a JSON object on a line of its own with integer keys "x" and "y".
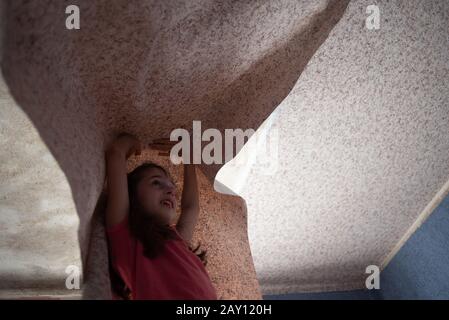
{"x": 170, "y": 189}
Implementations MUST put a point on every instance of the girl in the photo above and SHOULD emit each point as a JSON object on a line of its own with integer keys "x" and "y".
{"x": 150, "y": 256}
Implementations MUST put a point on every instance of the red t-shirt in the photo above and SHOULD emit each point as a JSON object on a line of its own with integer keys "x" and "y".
{"x": 177, "y": 273}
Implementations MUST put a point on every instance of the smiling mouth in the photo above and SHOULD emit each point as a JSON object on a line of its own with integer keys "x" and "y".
{"x": 167, "y": 203}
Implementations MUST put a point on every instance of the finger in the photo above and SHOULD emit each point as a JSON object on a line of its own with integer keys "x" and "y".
{"x": 164, "y": 154}
{"x": 162, "y": 147}
{"x": 158, "y": 144}
{"x": 166, "y": 146}
{"x": 156, "y": 147}
{"x": 163, "y": 140}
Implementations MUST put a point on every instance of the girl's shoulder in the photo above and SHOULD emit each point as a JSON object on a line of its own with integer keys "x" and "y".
{"x": 176, "y": 232}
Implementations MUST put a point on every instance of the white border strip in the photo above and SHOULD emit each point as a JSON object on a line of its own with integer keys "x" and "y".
{"x": 433, "y": 204}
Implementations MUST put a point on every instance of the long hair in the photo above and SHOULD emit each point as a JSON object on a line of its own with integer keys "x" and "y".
{"x": 151, "y": 232}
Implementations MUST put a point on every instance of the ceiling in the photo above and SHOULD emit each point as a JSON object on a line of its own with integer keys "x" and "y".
{"x": 362, "y": 150}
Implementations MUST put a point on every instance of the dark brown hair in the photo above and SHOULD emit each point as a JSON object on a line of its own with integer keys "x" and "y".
{"x": 144, "y": 227}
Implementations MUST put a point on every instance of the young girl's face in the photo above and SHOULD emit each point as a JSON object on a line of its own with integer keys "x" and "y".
{"x": 157, "y": 194}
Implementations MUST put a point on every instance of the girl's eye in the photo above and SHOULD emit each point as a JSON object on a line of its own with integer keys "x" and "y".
{"x": 156, "y": 182}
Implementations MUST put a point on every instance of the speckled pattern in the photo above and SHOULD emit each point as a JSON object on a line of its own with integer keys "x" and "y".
{"x": 38, "y": 220}
{"x": 364, "y": 147}
{"x": 148, "y": 67}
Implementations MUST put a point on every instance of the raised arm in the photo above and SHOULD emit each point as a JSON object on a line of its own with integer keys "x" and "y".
{"x": 189, "y": 204}
{"x": 189, "y": 201}
{"x": 118, "y": 202}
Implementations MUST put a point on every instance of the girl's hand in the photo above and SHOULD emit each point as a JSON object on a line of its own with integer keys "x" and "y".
{"x": 162, "y": 145}
{"x": 127, "y": 145}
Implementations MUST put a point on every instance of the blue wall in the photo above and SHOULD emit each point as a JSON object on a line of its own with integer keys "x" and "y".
{"x": 420, "y": 270}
